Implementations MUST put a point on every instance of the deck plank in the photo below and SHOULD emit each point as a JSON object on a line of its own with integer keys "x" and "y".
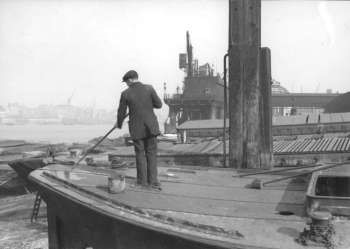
{"x": 197, "y": 195}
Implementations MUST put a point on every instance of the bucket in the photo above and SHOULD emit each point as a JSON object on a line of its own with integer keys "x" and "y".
{"x": 116, "y": 184}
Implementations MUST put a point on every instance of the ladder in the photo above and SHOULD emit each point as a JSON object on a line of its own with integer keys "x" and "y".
{"x": 36, "y": 207}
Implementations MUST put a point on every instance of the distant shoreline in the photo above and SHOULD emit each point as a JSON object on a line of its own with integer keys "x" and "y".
{"x": 58, "y": 133}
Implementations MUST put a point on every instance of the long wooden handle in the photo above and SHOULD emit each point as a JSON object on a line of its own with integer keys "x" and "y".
{"x": 93, "y": 147}
{"x": 306, "y": 173}
{"x": 279, "y": 170}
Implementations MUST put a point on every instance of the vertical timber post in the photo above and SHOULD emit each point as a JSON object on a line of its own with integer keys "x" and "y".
{"x": 251, "y": 83}
{"x": 244, "y": 80}
{"x": 265, "y": 108}
{"x": 235, "y": 83}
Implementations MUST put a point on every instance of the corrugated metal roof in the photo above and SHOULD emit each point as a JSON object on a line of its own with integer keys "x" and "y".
{"x": 326, "y": 144}
{"x": 323, "y": 145}
{"x": 276, "y": 121}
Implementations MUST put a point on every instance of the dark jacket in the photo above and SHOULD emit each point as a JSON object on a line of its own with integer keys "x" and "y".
{"x": 140, "y": 99}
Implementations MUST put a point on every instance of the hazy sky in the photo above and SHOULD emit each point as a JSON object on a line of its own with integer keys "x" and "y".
{"x": 48, "y": 49}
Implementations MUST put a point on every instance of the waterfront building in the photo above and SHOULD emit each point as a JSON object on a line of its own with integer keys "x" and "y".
{"x": 202, "y": 96}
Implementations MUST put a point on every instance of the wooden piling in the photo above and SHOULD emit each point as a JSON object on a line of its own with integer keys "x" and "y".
{"x": 236, "y": 50}
{"x": 265, "y": 108}
{"x": 244, "y": 74}
{"x": 251, "y": 83}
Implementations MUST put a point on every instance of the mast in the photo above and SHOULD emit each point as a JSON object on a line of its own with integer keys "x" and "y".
{"x": 189, "y": 55}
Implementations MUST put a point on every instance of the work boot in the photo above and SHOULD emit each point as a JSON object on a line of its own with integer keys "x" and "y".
{"x": 156, "y": 186}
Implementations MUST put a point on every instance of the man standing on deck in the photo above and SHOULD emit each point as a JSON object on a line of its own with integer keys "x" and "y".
{"x": 140, "y": 99}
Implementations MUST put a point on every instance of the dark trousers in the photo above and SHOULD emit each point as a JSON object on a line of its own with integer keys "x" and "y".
{"x": 146, "y": 160}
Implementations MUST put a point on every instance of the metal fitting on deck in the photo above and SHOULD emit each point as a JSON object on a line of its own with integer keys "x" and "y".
{"x": 320, "y": 230}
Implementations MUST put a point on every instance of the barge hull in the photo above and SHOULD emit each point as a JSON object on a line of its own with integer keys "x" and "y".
{"x": 74, "y": 226}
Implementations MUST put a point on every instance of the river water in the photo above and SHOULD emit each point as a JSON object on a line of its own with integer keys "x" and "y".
{"x": 57, "y": 133}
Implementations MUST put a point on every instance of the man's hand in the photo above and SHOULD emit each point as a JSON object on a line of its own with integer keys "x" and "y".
{"x": 116, "y": 125}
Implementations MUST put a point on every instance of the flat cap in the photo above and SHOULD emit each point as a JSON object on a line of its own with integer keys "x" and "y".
{"x": 132, "y": 74}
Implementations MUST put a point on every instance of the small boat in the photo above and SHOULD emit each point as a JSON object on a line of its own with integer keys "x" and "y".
{"x": 23, "y": 167}
{"x": 330, "y": 190}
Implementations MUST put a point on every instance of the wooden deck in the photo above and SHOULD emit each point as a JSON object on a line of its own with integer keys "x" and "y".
{"x": 207, "y": 205}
